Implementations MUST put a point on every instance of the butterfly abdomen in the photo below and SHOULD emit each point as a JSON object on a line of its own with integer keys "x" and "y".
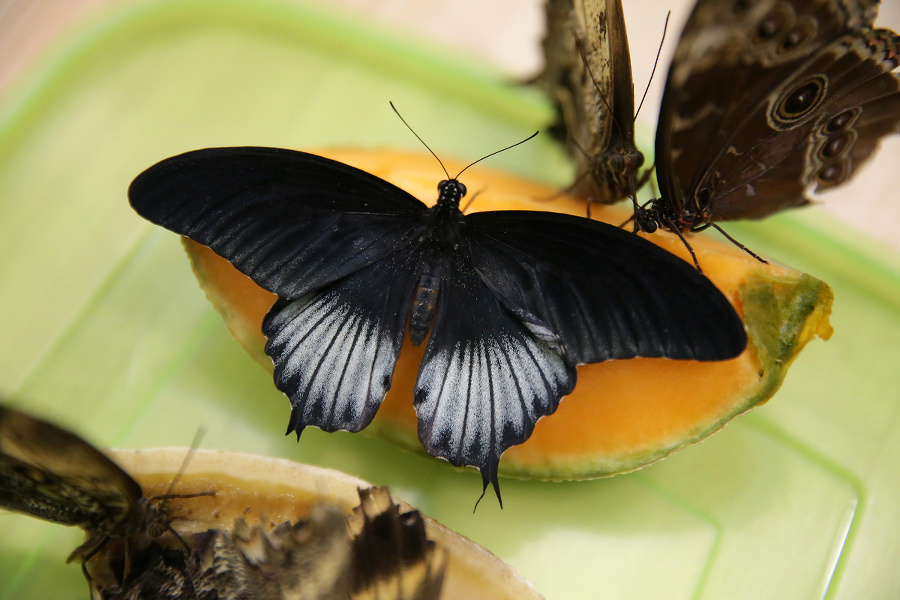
{"x": 424, "y": 305}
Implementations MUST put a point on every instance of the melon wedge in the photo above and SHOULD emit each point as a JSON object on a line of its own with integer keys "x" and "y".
{"x": 622, "y": 414}
{"x": 257, "y": 488}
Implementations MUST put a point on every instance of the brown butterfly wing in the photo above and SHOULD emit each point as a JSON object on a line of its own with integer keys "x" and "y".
{"x": 588, "y": 76}
{"x": 766, "y": 101}
{"x": 52, "y": 474}
{"x": 392, "y": 556}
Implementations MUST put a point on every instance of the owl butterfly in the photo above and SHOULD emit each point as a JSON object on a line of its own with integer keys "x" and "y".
{"x": 52, "y": 474}
{"x": 508, "y": 301}
{"x": 766, "y": 101}
{"x": 379, "y": 552}
{"x": 587, "y": 73}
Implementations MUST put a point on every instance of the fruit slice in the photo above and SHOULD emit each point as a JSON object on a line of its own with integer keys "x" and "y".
{"x": 623, "y": 414}
{"x": 255, "y": 488}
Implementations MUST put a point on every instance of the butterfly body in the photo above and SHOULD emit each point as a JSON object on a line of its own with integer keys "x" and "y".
{"x": 439, "y": 239}
{"x": 509, "y": 301}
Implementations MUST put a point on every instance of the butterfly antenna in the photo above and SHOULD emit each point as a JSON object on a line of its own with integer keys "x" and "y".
{"x": 471, "y": 200}
{"x": 198, "y": 437}
{"x": 496, "y": 152}
{"x": 201, "y": 432}
{"x": 421, "y": 140}
{"x": 655, "y": 64}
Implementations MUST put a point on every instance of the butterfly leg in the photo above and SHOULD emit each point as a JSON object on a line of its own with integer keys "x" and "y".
{"x": 687, "y": 245}
{"x": 739, "y": 245}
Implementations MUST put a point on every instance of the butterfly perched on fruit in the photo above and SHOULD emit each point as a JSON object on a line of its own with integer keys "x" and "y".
{"x": 508, "y": 301}
{"x": 52, "y": 474}
{"x": 765, "y": 102}
{"x": 587, "y": 73}
{"x": 378, "y": 551}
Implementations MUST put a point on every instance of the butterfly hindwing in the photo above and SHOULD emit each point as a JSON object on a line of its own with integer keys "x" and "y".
{"x": 485, "y": 379}
{"x": 393, "y": 557}
{"x": 291, "y": 221}
{"x": 335, "y": 349}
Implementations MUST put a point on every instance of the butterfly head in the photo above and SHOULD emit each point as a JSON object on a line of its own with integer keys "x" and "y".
{"x": 450, "y": 192}
{"x": 156, "y": 515}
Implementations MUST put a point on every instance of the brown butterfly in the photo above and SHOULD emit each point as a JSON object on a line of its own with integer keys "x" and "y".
{"x": 587, "y": 73}
{"x": 392, "y": 556}
{"x": 52, "y": 474}
{"x": 379, "y": 553}
{"x": 767, "y": 101}
{"x": 308, "y": 560}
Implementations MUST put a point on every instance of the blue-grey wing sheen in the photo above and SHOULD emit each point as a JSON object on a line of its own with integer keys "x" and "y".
{"x": 293, "y": 222}
{"x": 485, "y": 379}
{"x": 335, "y": 349}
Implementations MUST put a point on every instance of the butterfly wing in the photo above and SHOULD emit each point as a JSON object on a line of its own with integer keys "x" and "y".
{"x": 338, "y": 246}
{"x": 534, "y": 294}
{"x": 588, "y": 76}
{"x": 293, "y": 222}
{"x": 485, "y": 380}
{"x": 765, "y": 101}
{"x": 392, "y": 554}
{"x": 335, "y": 349}
{"x": 52, "y": 474}
{"x": 596, "y": 292}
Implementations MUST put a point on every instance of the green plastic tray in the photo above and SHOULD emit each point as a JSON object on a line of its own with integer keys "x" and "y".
{"x": 105, "y": 330}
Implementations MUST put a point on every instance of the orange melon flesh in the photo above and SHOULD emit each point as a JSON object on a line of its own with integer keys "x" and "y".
{"x": 622, "y": 414}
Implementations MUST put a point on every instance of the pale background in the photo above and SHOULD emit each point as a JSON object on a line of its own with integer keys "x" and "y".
{"x": 820, "y": 462}
{"x": 506, "y": 33}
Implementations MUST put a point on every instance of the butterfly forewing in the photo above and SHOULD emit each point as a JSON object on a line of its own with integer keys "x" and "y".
{"x": 588, "y": 75}
{"x": 291, "y": 221}
{"x": 53, "y": 474}
{"x": 602, "y": 292}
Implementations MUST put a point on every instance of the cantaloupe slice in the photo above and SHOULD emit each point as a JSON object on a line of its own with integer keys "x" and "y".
{"x": 623, "y": 414}
{"x": 257, "y": 488}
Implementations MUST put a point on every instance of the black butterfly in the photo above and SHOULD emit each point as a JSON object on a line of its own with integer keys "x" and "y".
{"x": 766, "y": 101}
{"x": 52, "y": 474}
{"x": 510, "y": 301}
